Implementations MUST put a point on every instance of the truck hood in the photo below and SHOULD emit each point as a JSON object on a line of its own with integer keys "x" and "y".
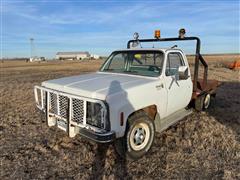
{"x": 97, "y": 85}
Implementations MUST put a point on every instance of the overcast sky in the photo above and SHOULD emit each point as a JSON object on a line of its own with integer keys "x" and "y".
{"x": 101, "y": 27}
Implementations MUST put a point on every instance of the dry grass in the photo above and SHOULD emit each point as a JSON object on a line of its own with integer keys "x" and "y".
{"x": 203, "y": 146}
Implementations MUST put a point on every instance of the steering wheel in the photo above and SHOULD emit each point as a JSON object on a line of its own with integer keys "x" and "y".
{"x": 154, "y": 68}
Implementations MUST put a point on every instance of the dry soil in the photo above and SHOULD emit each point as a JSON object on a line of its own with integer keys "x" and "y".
{"x": 204, "y": 145}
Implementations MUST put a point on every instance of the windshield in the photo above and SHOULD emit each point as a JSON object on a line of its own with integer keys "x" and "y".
{"x": 145, "y": 63}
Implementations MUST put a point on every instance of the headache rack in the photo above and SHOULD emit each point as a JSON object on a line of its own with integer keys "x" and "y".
{"x": 200, "y": 86}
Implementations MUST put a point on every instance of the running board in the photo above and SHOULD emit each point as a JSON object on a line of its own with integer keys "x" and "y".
{"x": 163, "y": 124}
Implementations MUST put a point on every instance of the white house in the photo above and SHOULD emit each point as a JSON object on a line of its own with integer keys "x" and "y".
{"x": 73, "y": 55}
{"x": 95, "y": 56}
{"x": 35, "y": 58}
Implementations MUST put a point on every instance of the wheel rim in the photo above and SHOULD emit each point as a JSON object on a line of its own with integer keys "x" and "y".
{"x": 207, "y": 101}
{"x": 139, "y": 136}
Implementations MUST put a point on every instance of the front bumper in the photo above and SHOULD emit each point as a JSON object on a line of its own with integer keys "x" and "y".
{"x": 103, "y": 137}
{"x": 98, "y": 137}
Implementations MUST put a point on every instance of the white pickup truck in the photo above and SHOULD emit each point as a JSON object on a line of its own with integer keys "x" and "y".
{"x": 135, "y": 93}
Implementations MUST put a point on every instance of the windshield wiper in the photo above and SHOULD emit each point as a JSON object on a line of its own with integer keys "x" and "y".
{"x": 131, "y": 72}
{"x": 108, "y": 69}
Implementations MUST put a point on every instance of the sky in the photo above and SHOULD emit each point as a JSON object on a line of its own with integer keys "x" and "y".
{"x": 103, "y": 26}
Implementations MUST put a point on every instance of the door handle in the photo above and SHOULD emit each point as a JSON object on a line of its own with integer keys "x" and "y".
{"x": 159, "y": 86}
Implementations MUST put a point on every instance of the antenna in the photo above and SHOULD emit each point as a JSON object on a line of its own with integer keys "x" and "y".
{"x": 31, "y": 47}
{"x": 174, "y": 46}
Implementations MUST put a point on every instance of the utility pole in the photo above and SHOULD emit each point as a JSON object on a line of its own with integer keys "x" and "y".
{"x": 31, "y": 48}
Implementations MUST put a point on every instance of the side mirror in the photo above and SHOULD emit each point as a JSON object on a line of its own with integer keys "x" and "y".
{"x": 183, "y": 73}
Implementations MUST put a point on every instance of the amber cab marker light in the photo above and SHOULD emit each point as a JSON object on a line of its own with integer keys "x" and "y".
{"x": 157, "y": 34}
{"x": 121, "y": 118}
{"x": 181, "y": 33}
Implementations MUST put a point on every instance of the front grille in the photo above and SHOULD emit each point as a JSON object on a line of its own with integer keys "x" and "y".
{"x": 53, "y": 103}
{"x": 59, "y": 105}
{"x": 78, "y": 110}
{"x": 63, "y": 106}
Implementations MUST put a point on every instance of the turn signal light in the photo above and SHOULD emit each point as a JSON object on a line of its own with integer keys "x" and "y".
{"x": 157, "y": 34}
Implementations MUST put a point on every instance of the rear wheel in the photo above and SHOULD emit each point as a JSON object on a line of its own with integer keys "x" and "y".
{"x": 206, "y": 102}
{"x": 203, "y": 102}
{"x": 138, "y": 137}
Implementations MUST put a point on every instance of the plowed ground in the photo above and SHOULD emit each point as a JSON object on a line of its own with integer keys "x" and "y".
{"x": 203, "y": 145}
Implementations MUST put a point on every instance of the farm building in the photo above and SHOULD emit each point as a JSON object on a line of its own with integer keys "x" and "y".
{"x": 72, "y": 55}
{"x": 95, "y": 56}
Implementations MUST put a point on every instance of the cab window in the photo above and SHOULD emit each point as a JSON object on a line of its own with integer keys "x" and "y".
{"x": 174, "y": 60}
{"x": 118, "y": 62}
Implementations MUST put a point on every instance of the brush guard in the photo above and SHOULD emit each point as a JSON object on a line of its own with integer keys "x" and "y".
{"x": 68, "y": 112}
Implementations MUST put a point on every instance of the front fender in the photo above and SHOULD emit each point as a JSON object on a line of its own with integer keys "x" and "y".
{"x": 128, "y": 104}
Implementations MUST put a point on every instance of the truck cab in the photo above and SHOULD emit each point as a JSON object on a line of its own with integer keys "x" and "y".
{"x": 135, "y": 93}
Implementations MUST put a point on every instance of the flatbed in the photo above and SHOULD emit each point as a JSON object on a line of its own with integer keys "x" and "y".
{"x": 210, "y": 87}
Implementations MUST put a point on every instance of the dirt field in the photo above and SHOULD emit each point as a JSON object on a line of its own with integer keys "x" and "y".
{"x": 205, "y": 145}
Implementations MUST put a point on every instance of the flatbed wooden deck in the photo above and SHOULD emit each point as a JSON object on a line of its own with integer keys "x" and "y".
{"x": 202, "y": 88}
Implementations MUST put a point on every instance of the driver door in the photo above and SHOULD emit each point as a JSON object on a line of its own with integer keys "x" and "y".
{"x": 179, "y": 92}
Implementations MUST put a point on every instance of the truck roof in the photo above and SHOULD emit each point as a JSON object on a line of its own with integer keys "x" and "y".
{"x": 149, "y": 49}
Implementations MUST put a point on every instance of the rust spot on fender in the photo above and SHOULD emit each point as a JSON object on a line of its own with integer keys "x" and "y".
{"x": 151, "y": 111}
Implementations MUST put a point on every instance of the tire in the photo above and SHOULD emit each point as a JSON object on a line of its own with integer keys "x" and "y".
{"x": 138, "y": 138}
{"x": 199, "y": 103}
{"x": 206, "y": 101}
{"x": 203, "y": 102}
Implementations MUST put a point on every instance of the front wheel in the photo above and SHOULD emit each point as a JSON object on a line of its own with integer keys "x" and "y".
{"x": 138, "y": 138}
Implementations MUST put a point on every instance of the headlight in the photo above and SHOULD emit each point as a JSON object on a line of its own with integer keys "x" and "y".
{"x": 94, "y": 114}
